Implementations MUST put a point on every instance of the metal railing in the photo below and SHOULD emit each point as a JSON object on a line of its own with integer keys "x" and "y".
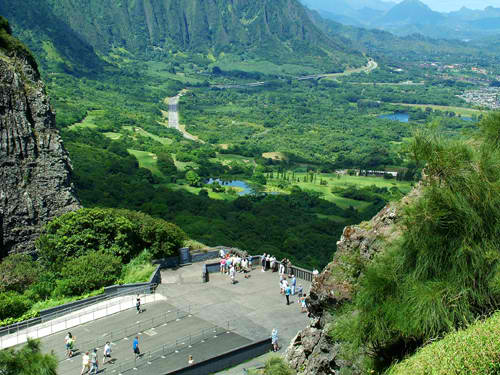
{"x": 185, "y": 342}
{"x": 135, "y": 329}
{"x": 40, "y": 327}
{"x": 300, "y": 273}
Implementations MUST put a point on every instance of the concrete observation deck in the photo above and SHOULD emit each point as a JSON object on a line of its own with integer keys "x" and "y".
{"x": 191, "y": 318}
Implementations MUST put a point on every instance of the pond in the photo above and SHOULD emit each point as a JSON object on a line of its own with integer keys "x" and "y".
{"x": 396, "y": 116}
{"x": 235, "y": 183}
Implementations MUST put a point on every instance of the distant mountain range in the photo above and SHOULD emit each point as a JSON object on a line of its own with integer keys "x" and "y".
{"x": 410, "y": 16}
{"x": 68, "y": 31}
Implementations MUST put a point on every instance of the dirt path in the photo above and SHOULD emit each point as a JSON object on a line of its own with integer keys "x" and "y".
{"x": 171, "y": 118}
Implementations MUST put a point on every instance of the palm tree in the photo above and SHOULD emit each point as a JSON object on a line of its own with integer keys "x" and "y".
{"x": 29, "y": 360}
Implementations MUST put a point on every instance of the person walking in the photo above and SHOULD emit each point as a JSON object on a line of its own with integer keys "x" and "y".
{"x": 106, "y": 353}
{"x": 138, "y": 304}
{"x": 69, "y": 342}
{"x": 274, "y": 340}
{"x": 94, "y": 362}
{"x": 135, "y": 347}
{"x": 190, "y": 360}
{"x": 85, "y": 363}
{"x": 288, "y": 291}
{"x": 263, "y": 262}
{"x": 293, "y": 284}
{"x": 232, "y": 274}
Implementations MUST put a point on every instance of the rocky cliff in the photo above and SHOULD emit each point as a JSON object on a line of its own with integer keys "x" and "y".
{"x": 35, "y": 170}
{"x": 314, "y": 351}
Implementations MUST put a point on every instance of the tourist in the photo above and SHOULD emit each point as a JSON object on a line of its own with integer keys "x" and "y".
{"x": 94, "y": 362}
{"x": 274, "y": 340}
{"x": 282, "y": 268}
{"x": 263, "y": 262}
{"x": 138, "y": 304}
{"x": 303, "y": 305}
{"x": 250, "y": 264}
{"x": 222, "y": 253}
{"x": 282, "y": 285}
{"x": 69, "y": 342}
{"x": 106, "y": 353}
{"x": 232, "y": 274}
{"x": 223, "y": 265}
{"x": 288, "y": 291}
{"x": 229, "y": 263}
{"x": 299, "y": 290}
{"x": 293, "y": 283}
{"x": 85, "y": 363}
{"x": 315, "y": 273}
{"x": 135, "y": 347}
{"x": 268, "y": 261}
{"x": 190, "y": 360}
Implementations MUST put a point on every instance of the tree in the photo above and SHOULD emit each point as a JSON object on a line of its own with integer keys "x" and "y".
{"x": 28, "y": 360}
{"x": 192, "y": 178}
{"x": 166, "y": 164}
{"x": 17, "y": 272}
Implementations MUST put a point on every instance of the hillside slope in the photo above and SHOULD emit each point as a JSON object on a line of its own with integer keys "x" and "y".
{"x": 277, "y": 30}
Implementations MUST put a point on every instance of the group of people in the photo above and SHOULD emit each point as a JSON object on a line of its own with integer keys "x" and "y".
{"x": 90, "y": 360}
{"x": 232, "y": 263}
{"x": 269, "y": 261}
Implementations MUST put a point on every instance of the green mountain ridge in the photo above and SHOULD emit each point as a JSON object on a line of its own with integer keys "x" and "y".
{"x": 274, "y": 30}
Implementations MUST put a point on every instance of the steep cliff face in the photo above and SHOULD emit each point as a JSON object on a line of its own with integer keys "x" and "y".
{"x": 35, "y": 170}
{"x": 314, "y": 351}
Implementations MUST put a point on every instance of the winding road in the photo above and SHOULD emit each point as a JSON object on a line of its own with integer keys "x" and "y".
{"x": 173, "y": 102}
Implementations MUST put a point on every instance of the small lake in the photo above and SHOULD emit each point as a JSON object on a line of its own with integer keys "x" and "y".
{"x": 397, "y": 116}
{"x": 235, "y": 183}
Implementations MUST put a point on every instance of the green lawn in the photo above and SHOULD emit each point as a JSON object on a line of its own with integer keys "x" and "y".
{"x": 467, "y": 112}
{"x": 344, "y": 181}
{"x": 144, "y": 133}
{"x": 227, "y": 158}
{"x": 113, "y": 136}
{"x": 89, "y": 120}
{"x": 146, "y": 160}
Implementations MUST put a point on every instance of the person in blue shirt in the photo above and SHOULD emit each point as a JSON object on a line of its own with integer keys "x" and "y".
{"x": 288, "y": 291}
{"x": 135, "y": 346}
{"x": 293, "y": 282}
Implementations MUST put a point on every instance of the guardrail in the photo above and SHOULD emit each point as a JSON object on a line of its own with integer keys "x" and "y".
{"x": 136, "y": 328}
{"x": 39, "y": 327}
{"x": 165, "y": 350}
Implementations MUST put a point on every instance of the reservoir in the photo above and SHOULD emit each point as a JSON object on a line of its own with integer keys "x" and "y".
{"x": 397, "y": 116}
{"x": 235, "y": 183}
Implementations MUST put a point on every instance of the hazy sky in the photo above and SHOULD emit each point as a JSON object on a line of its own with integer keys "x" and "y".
{"x": 449, "y": 5}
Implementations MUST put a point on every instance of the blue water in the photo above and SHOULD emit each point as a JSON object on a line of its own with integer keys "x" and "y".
{"x": 236, "y": 183}
{"x": 467, "y": 118}
{"x": 397, "y": 116}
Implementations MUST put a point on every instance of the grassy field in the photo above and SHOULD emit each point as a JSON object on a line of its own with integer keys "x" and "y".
{"x": 113, "y": 136}
{"x": 144, "y": 133}
{"x": 89, "y": 120}
{"x": 229, "y": 62}
{"x": 228, "y": 158}
{"x": 211, "y": 194}
{"x": 146, "y": 160}
{"x": 457, "y": 110}
{"x": 344, "y": 181}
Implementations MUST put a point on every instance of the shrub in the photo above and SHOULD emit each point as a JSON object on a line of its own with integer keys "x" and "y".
{"x": 17, "y": 272}
{"x": 13, "y": 305}
{"x": 88, "y": 272}
{"x": 124, "y": 233}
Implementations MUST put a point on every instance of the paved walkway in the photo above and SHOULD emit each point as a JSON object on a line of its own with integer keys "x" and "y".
{"x": 76, "y": 318}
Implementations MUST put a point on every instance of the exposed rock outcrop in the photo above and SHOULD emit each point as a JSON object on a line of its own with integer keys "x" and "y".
{"x": 313, "y": 351}
{"x": 35, "y": 170}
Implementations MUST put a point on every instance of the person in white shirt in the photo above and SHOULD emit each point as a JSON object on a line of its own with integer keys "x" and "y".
{"x": 232, "y": 274}
{"x": 106, "y": 353}
{"x": 85, "y": 363}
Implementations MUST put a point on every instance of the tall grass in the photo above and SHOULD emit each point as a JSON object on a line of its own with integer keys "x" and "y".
{"x": 445, "y": 271}
{"x": 474, "y": 351}
{"x": 138, "y": 270}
